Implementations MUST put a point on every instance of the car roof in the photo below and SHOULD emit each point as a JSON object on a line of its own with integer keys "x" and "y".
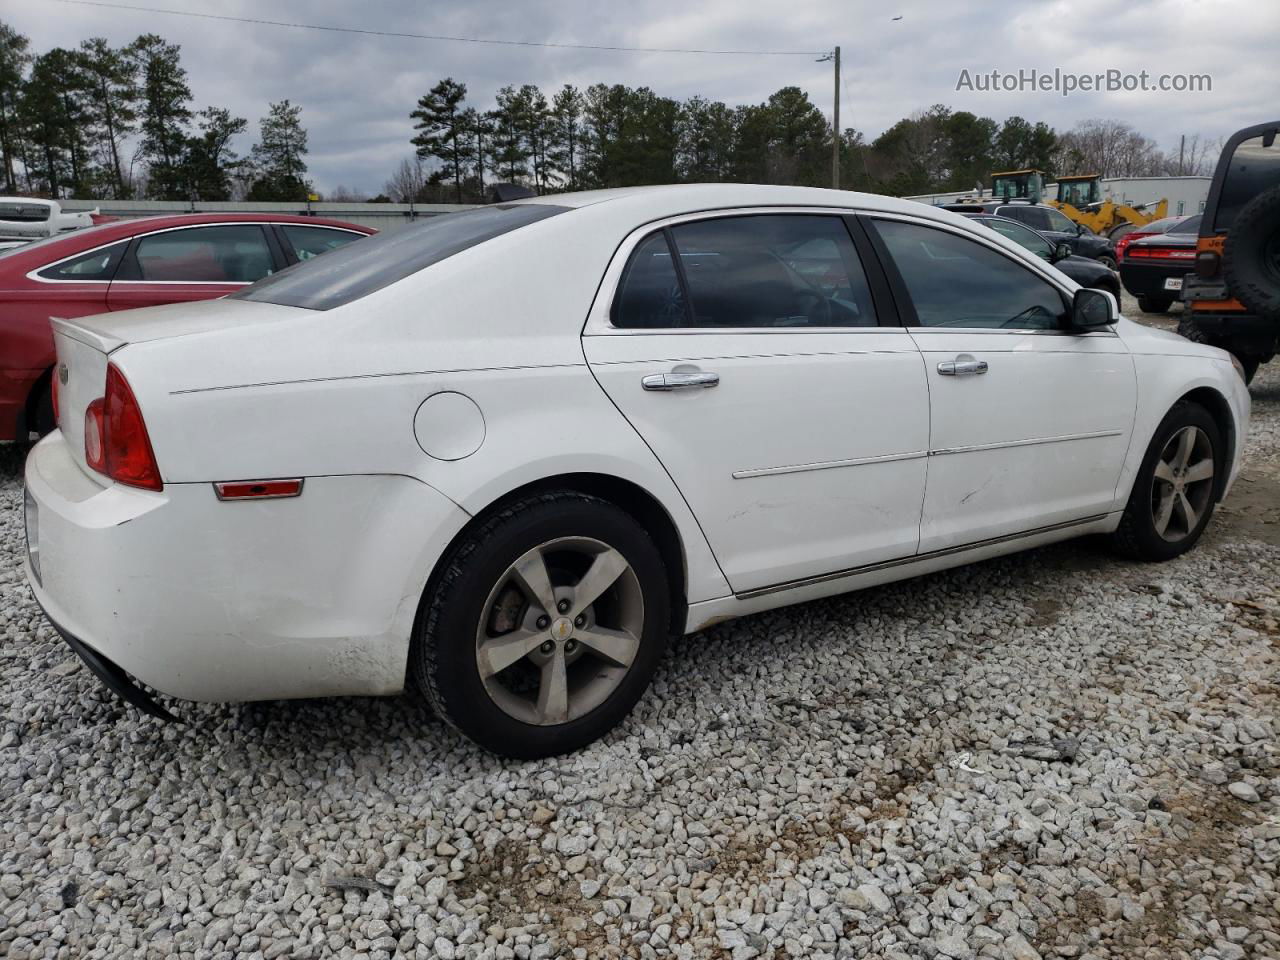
{"x": 691, "y": 197}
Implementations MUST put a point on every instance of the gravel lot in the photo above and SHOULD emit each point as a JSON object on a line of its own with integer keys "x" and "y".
{"x": 1052, "y": 755}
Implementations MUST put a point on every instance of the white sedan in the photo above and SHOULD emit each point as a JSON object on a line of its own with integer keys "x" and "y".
{"x": 502, "y": 455}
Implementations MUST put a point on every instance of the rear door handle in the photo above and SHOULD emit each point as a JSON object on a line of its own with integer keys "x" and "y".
{"x": 962, "y": 368}
{"x": 679, "y": 381}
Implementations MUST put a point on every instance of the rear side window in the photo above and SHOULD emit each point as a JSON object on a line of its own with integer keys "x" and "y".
{"x": 359, "y": 269}
{"x": 1253, "y": 169}
{"x": 232, "y": 253}
{"x": 767, "y": 270}
{"x": 309, "y": 242}
{"x": 957, "y": 282}
{"x": 97, "y": 264}
{"x": 1028, "y": 215}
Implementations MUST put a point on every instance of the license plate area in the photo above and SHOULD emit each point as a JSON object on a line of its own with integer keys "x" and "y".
{"x": 1173, "y": 283}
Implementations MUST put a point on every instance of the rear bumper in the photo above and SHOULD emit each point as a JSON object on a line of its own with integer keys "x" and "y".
{"x": 1147, "y": 279}
{"x": 204, "y": 600}
{"x": 112, "y": 676}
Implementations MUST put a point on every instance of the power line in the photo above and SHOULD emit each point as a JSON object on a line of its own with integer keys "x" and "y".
{"x": 440, "y": 37}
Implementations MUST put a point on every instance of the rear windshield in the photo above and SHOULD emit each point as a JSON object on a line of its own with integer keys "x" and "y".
{"x": 1189, "y": 224}
{"x": 358, "y": 269}
{"x": 24, "y": 212}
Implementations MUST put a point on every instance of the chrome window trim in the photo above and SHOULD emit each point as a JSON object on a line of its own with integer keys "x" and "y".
{"x": 599, "y": 320}
{"x": 32, "y": 275}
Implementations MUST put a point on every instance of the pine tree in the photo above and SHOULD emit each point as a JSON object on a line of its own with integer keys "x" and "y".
{"x": 441, "y": 129}
{"x": 111, "y": 80}
{"x": 14, "y": 60}
{"x": 566, "y": 136}
{"x": 165, "y": 114}
{"x": 277, "y": 156}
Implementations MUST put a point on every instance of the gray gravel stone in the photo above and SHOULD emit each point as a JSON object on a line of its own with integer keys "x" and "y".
{"x": 1041, "y": 756}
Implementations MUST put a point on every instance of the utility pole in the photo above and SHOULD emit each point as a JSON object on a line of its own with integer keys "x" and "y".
{"x": 835, "y": 143}
{"x": 1182, "y": 147}
{"x": 834, "y": 57}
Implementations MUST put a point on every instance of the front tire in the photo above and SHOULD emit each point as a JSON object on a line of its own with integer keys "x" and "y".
{"x": 1153, "y": 303}
{"x": 1174, "y": 494}
{"x": 544, "y": 626}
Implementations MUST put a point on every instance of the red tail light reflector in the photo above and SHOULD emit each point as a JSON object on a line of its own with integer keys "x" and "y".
{"x": 115, "y": 436}
{"x": 257, "y": 489}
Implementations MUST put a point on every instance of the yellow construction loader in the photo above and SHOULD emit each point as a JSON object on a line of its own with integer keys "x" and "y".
{"x": 1080, "y": 200}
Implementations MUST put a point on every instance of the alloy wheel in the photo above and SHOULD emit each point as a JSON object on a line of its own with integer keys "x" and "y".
{"x": 560, "y": 630}
{"x": 1182, "y": 486}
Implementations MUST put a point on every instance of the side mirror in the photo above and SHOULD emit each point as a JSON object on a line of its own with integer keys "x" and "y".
{"x": 1079, "y": 229}
{"x": 1093, "y": 310}
{"x": 1061, "y": 252}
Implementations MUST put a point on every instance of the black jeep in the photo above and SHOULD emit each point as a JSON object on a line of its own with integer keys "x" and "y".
{"x": 1233, "y": 297}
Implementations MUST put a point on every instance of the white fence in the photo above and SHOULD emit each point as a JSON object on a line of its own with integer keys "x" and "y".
{"x": 381, "y": 216}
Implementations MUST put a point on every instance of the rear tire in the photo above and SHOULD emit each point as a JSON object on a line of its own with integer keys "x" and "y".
{"x": 1107, "y": 261}
{"x": 1175, "y": 491}
{"x": 1251, "y": 255}
{"x": 42, "y": 420}
{"x": 525, "y": 681}
{"x": 1153, "y": 303}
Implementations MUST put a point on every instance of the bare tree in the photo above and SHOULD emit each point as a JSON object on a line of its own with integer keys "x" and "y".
{"x": 408, "y": 182}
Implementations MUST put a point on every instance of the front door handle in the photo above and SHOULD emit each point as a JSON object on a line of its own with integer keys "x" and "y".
{"x": 962, "y": 368}
{"x": 679, "y": 381}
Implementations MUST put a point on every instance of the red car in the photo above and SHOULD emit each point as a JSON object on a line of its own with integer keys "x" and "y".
{"x": 127, "y": 264}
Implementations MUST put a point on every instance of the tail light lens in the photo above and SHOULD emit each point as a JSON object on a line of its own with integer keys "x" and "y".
{"x": 115, "y": 436}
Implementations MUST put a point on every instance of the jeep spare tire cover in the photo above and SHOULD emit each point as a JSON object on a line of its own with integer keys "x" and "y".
{"x": 1251, "y": 256}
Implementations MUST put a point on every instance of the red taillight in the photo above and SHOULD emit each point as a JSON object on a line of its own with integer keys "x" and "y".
{"x": 115, "y": 436}
{"x": 1161, "y": 253}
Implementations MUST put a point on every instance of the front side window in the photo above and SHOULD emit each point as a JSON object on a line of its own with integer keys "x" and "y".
{"x": 309, "y": 242}
{"x": 956, "y": 282}
{"x": 235, "y": 253}
{"x": 764, "y": 270}
{"x": 97, "y": 264}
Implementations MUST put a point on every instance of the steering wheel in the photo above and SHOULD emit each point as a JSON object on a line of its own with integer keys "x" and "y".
{"x": 822, "y": 306}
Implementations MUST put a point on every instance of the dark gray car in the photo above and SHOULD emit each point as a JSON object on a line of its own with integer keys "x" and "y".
{"x": 1084, "y": 271}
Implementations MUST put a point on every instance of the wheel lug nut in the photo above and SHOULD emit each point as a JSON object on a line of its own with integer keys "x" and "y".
{"x": 580, "y": 620}
{"x": 544, "y": 622}
{"x": 571, "y": 646}
{"x": 563, "y": 606}
{"x": 547, "y": 646}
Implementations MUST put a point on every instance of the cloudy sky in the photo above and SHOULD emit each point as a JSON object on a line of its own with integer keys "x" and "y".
{"x": 357, "y": 91}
